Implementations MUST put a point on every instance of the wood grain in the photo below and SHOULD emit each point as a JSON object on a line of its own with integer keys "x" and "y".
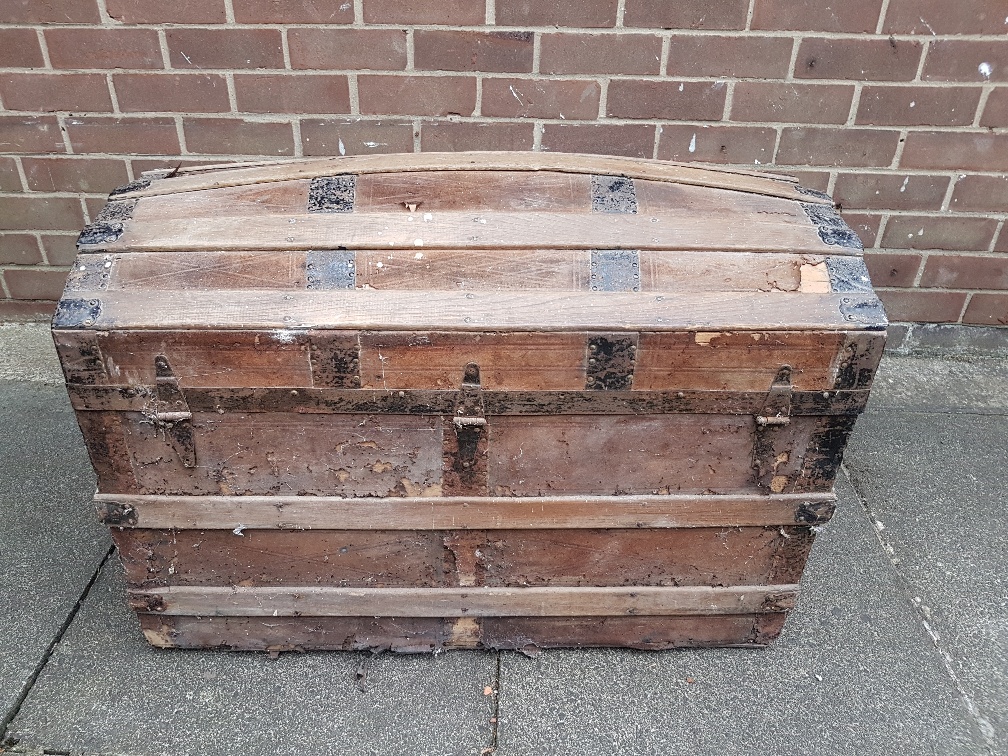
{"x": 312, "y": 601}
{"x": 465, "y": 161}
{"x": 467, "y": 512}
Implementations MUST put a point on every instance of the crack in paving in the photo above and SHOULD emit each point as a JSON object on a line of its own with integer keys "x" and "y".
{"x": 922, "y": 612}
{"x": 7, "y": 743}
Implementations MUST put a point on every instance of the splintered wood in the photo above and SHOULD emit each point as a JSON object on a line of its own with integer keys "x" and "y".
{"x": 482, "y": 400}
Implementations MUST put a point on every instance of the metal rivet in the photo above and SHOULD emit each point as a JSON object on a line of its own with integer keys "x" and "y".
{"x": 590, "y": 379}
{"x": 593, "y": 347}
{"x": 591, "y": 360}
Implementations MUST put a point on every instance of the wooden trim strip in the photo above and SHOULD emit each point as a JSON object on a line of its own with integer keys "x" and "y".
{"x": 314, "y": 601}
{"x": 651, "y": 170}
{"x": 462, "y": 512}
{"x": 441, "y": 402}
{"x": 679, "y": 232}
{"x": 399, "y": 310}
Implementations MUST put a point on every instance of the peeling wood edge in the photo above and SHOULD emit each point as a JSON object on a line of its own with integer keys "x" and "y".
{"x": 497, "y": 403}
{"x": 316, "y": 601}
{"x": 462, "y": 512}
{"x": 634, "y": 168}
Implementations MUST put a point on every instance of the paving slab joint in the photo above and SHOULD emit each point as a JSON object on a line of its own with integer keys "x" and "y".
{"x": 8, "y": 742}
{"x": 984, "y": 729}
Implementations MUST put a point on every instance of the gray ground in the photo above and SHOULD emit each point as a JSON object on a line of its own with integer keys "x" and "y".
{"x": 899, "y": 644}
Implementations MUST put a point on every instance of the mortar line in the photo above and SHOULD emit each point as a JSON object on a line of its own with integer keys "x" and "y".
{"x": 33, "y": 678}
{"x": 21, "y": 174}
{"x": 537, "y": 135}
{"x": 926, "y": 48}
{"x": 490, "y": 17}
{"x": 749, "y": 15}
{"x": 985, "y": 92}
{"x": 478, "y": 107}
{"x": 536, "y": 51}
{"x": 621, "y": 13}
{"x": 855, "y": 104}
{"x": 495, "y": 731}
{"x": 881, "y": 18}
{"x": 603, "y": 102}
{"x": 997, "y": 235}
{"x": 165, "y": 54}
{"x": 232, "y": 93}
{"x": 666, "y": 48}
{"x": 46, "y": 63}
{"x": 659, "y": 129}
{"x": 7, "y": 295}
{"x": 285, "y": 47}
{"x": 352, "y": 86}
{"x": 410, "y": 51}
{"x": 298, "y": 148}
{"x": 417, "y": 134}
{"x": 65, "y": 134}
{"x": 966, "y": 302}
{"x": 789, "y": 76}
{"x": 358, "y": 12}
{"x": 946, "y": 202}
{"x": 985, "y": 727}
{"x": 42, "y": 249}
{"x": 229, "y": 16}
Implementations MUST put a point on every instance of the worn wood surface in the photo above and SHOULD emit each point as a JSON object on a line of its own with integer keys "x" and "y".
{"x": 424, "y": 635}
{"x": 470, "y": 513}
{"x": 381, "y": 557}
{"x": 483, "y": 161}
{"x": 312, "y": 601}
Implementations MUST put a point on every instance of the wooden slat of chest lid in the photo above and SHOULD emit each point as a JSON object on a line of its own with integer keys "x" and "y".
{"x": 437, "y": 513}
{"x": 484, "y": 161}
{"x": 313, "y": 601}
{"x": 475, "y": 311}
{"x": 683, "y": 231}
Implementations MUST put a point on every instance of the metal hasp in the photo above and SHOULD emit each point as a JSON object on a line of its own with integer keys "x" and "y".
{"x": 171, "y": 412}
{"x": 469, "y": 420}
{"x": 772, "y": 442}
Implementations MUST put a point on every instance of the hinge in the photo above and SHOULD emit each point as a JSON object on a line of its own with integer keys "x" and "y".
{"x": 171, "y": 412}
{"x": 771, "y": 443}
{"x": 469, "y": 419}
{"x": 610, "y": 361}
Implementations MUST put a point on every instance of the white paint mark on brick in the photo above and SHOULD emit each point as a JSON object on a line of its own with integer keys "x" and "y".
{"x": 906, "y": 180}
{"x": 985, "y": 69}
{"x": 692, "y": 143}
{"x": 342, "y": 148}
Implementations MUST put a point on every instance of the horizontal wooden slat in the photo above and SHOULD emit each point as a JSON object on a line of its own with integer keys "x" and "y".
{"x": 309, "y": 401}
{"x": 311, "y": 601}
{"x": 475, "y": 311}
{"x": 679, "y": 232}
{"x": 447, "y": 513}
{"x": 484, "y": 161}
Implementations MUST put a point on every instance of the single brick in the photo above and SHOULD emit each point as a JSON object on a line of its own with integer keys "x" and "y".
{"x": 234, "y": 136}
{"x": 585, "y": 14}
{"x": 19, "y": 48}
{"x": 965, "y": 151}
{"x": 917, "y": 105}
{"x": 55, "y": 92}
{"x": 1002, "y": 243}
{"x": 30, "y": 134}
{"x": 817, "y": 15}
{"x": 225, "y": 48}
{"x": 963, "y": 60}
{"x": 922, "y": 305}
{"x": 302, "y": 12}
{"x": 672, "y": 100}
{"x": 987, "y": 309}
{"x": 349, "y": 49}
{"x": 74, "y": 174}
{"x": 473, "y": 51}
{"x": 104, "y": 48}
{"x": 171, "y": 92}
{"x": 10, "y": 179}
{"x": 716, "y": 55}
{"x": 416, "y": 95}
{"x": 60, "y": 249}
{"x": 980, "y": 194}
{"x": 942, "y": 17}
{"x": 344, "y": 136}
{"x": 21, "y": 212}
{"x": 567, "y": 53}
{"x": 49, "y": 12}
{"x": 786, "y": 102}
{"x": 686, "y": 14}
{"x": 19, "y": 249}
{"x": 12, "y": 311}
{"x": 452, "y": 136}
{"x": 837, "y": 146}
{"x": 890, "y": 191}
{"x": 893, "y": 268}
{"x": 284, "y": 93}
{"x": 456, "y": 13}
{"x": 965, "y": 272}
{"x": 161, "y": 12}
{"x": 35, "y": 283}
{"x": 633, "y": 140}
{"x": 738, "y": 145}
{"x": 938, "y": 232}
{"x": 140, "y": 136}
{"x": 858, "y": 59}
{"x": 865, "y": 225}
{"x": 995, "y": 112}
{"x": 576, "y": 99}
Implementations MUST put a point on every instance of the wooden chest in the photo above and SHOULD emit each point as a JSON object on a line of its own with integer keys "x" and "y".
{"x": 495, "y": 400}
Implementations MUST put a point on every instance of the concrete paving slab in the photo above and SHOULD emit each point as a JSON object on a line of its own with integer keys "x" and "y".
{"x": 51, "y": 542}
{"x": 27, "y": 354}
{"x": 106, "y": 691}
{"x": 935, "y": 486}
{"x": 961, "y": 384}
{"x": 854, "y": 672}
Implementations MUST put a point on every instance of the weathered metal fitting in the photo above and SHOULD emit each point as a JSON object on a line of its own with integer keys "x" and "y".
{"x": 76, "y": 313}
{"x": 116, "y": 514}
{"x": 332, "y": 194}
{"x": 815, "y": 512}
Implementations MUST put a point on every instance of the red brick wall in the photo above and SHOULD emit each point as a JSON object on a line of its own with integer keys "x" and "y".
{"x": 897, "y": 107}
